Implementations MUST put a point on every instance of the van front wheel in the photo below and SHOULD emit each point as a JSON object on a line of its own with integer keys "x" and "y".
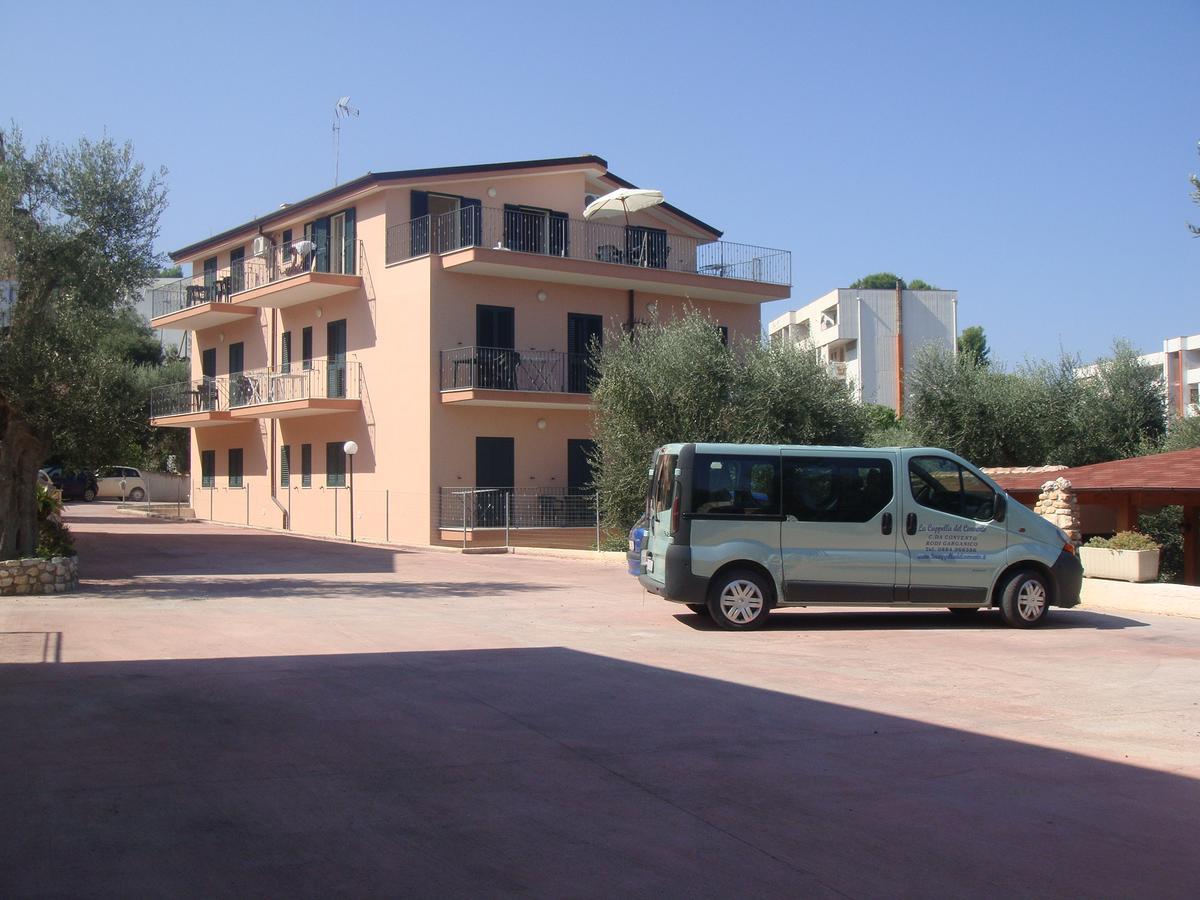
{"x": 1025, "y": 599}
{"x": 740, "y": 600}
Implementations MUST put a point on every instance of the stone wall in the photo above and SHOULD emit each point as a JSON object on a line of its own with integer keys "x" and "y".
{"x": 1057, "y": 504}
{"x": 39, "y": 576}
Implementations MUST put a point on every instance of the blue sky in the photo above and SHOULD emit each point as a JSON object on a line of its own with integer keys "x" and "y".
{"x": 1032, "y": 156}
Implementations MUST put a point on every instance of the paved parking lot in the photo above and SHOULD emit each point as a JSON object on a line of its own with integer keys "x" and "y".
{"x": 224, "y": 712}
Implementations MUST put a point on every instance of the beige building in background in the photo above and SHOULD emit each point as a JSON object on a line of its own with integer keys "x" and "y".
{"x": 441, "y": 319}
{"x": 869, "y": 338}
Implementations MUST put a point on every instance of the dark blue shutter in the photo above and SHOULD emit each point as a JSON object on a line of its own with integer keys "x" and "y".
{"x": 471, "y": 214}
{"x": 320, "y": 236}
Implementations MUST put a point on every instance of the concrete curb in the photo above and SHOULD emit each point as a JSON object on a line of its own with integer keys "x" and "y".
{"x": 1153, "y": 597}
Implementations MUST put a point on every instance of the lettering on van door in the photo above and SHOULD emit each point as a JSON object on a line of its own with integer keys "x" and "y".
{"x": 949, "y": 542}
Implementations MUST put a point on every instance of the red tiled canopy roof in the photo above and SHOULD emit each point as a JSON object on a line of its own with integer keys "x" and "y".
{"x": 1177, "y": 471}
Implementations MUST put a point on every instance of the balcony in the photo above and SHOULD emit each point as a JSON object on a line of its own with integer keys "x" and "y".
{"x": 512, "y": 243}
{"x": 532, "y": 379}
{"x": 547, "y": 516}
{"x": 295, "y": 273}
{"x": 275, "y": 393}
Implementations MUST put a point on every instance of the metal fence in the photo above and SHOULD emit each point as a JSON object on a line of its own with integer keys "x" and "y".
{"x": 552, "y": 234}
{"x": 498, "y": 368}
{"x": 469, "y": 508}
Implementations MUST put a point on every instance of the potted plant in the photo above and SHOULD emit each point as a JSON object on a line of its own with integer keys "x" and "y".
{"x": 1126, "y": 556}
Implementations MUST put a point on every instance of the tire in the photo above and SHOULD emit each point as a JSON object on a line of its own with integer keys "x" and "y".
{"x": 89, "y": 494}
{"x": 740, "y": 600}
{"x": 698, "y": 608}
{"x": 137, "y": 495}
{"x": 964, "y": 612}
{"x": 1025, "y": 599}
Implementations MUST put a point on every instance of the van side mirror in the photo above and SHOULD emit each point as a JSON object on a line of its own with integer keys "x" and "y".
{"x": 1001, "y": 507}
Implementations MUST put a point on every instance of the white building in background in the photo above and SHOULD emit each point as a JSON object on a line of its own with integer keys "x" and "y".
{"x": 1180, "y": 363}
{"x": 871, "y": 337}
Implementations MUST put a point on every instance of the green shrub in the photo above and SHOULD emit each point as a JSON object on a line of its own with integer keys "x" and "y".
{"x": 1165, "y": 527}
{"x": 1124, "y": 540}
{"x": 54, "y": 539}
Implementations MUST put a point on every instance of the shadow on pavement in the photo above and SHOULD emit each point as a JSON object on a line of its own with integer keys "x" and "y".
{"x": 303, "y": 588}
{"x": 799, "y": 619}
{"x": 542, "y": 771}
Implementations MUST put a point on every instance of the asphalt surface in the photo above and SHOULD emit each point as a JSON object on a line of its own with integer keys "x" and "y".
{"x": 223, "y": 712}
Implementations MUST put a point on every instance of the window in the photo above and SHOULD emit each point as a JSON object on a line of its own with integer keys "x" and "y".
{"x": 235, "y": 467}
{"x": 306, "y": 465}
{"x": 335, "y": 464}
{"x": 945, "y": 486}
{"x": 531, "y": 229}
{"x": 835, "y": 489}
{"x": 285, "y": 353}
{"x": 286, "y": 241}
{"x": 306, "y": 348}
{"x": 210, "y": 273}
{"x": 724, "y": 329}
{"x": 208, "y": 468}
{"x": 732, "y": 485}
{"x": 664, "y": 482}
{"x": 285, "y": 465}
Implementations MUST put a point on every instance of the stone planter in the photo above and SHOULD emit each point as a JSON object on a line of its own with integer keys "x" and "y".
{"x": 1119, "y": 565}
{"x": 39, "y": 576}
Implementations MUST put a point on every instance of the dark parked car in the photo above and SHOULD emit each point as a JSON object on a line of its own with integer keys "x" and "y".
{"x": 75, "y": 485}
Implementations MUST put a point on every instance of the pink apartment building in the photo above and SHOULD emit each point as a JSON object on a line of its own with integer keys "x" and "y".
{"x": 441, "y": 319}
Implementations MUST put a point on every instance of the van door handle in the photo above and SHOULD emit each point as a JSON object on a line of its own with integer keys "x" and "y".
{"x": 910, "y": 523}
{"x": 886, "y": 525}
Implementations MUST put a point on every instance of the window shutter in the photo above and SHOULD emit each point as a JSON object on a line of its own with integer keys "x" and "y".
{"x": 320, "y": 236}
{"x": 335, "y": 464}
{"x": 558, "y": 234}
{"x": 419, "y": 210}
{"x": 470, "y": 213}
{"x": 208, "y": 467}
{"x": 235, "y": 467}
{"x": 285, "y": 466}
{"x": 306, "y": 465}
{"x": 306, "y": 347}
{"x": 285, "y": 353}
{"x": 350, "y": 253}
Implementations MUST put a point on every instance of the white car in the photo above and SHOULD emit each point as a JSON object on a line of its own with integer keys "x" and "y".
{"x": 121, "y": 483}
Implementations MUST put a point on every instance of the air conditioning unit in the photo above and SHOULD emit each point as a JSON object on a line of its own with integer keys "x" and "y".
{"x": 261, "y": 246}
{"x": 589, "y": 199}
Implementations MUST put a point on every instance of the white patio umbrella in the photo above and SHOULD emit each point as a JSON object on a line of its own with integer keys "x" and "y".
{"x": 622, "y": 201}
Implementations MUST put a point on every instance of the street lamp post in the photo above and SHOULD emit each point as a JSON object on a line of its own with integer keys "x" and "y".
{"x": 350, "y": 448}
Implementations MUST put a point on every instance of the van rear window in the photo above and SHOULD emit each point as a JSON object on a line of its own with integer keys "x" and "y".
{"x": 664, "y": 483}
{"x": 732, "y": 485}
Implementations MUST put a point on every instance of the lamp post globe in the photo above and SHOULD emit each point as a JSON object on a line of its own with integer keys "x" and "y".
{"x": 350, "y": 448}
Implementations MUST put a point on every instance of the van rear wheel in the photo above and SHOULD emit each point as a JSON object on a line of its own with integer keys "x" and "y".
{"x": 739, "y": 600}
{"x": 698, "y": 608}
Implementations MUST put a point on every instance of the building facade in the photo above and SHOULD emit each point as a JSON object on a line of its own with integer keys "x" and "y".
{"x": 870, "y": 338}
{"x": 1180, "y": 363}
{"x": 442, "y": 319}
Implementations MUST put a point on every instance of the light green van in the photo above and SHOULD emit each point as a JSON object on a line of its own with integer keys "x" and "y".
{"x": 736, "y": 530}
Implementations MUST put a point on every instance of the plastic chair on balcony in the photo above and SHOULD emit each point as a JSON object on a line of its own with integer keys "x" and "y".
{"x": 609, "y": 253}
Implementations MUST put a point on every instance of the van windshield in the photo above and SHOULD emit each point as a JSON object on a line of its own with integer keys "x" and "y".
{"x": 662, "y": 490}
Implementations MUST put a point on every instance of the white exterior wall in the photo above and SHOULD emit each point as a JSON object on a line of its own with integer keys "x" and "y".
{"x": 865, "y": 334}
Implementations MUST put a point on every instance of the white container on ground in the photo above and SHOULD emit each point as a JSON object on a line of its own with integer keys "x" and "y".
{"x": 1119, "y": 565}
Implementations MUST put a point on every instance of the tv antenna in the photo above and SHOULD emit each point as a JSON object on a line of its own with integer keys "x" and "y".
{"x": 342, "y": 110}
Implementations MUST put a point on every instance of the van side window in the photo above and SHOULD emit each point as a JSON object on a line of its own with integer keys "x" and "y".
{"x": 944, "y": 485}
{"x": 732, "y": 485}
{"x": 835, "y": 489}
{"x": 664, "y": 483}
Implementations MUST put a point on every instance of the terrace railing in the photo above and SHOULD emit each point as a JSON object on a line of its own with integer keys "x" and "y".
{"x": 503, "y": 369}
{"x": 520, "y": 507}
{"x": 551, "y": 234}
{"x": 186, "y": 397}
{"x": 321, "y": 380}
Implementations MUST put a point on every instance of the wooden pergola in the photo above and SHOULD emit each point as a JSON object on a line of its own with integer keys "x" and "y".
{"x": 1130, "y": 486}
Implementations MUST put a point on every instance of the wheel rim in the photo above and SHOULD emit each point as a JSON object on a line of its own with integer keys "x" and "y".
{"x": 1031, "y": 600}
{"x": 741, "y": 601}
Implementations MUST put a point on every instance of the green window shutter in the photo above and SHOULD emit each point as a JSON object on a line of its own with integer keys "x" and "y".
{"x": 306, "y": 465}
{"x": 285, "y": 353}
{"x": 306, "y": 348}
{"x": 335, "y": 464}
{"x": 208, "y": 468}
{"x": 350, "y": 252}
{"x": 235, "y": 467}
{"x": 285, "y": 466}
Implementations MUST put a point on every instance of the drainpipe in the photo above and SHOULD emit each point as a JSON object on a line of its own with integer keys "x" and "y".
{"x": 954, "y": 323}
{"x": 1182, "y": 382}
{"x": 271, "y": 462}
{"x": 899, "y": 351}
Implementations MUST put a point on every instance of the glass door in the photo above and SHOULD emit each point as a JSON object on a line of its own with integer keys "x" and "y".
{"x": 337, "y": 243}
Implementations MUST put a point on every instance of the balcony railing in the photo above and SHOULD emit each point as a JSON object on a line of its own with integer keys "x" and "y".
{"x": 501, "y": 369}
{"x": 551, "y": 234}
{"x": 275, "y": 264}
{"x": 187, "y": 397}
{"x": 323, "y": 380}
{"x": 520, "y": 507}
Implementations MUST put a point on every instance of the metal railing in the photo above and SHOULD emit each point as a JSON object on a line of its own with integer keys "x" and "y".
{"x": 551, "y": 234}
{"x": 323, "y": 380}
{"x": 185, "y": 397}
{"x": 277, "y": 263}
{"x": 502, "y": 369}
{"x": 516, "y": 508}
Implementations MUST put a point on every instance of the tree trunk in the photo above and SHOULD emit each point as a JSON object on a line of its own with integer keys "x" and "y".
{"x": 20, "y": 458}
